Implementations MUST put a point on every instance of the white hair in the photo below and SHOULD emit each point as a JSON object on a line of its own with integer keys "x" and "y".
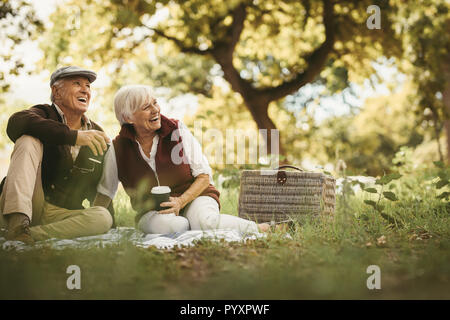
{"x": 129, "y": 99}
{"x": 58, "y": 84}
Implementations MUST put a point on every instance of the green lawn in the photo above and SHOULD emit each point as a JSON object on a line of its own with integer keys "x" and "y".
{"x": 323, "y": 258}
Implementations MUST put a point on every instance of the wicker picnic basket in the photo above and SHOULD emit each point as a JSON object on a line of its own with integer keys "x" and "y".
{"x": 279, "y": 195}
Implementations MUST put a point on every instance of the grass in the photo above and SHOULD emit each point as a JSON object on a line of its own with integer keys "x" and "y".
{"x": 324, "y": 258}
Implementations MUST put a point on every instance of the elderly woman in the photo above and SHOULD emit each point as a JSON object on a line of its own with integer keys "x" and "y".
{"x": 153, "y": 150}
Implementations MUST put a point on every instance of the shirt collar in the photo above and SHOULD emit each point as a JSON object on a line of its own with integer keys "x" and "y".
{"x": 85, "y": 122}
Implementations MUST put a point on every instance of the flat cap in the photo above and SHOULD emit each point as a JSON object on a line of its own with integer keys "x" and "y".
{"x": 72, "y": 71}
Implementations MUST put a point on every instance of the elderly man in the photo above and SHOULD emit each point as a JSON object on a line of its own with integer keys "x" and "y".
{"x": 56, "y": 164}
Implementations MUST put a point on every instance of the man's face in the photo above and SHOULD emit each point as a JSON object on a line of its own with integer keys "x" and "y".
{"x": 73, "y": 95}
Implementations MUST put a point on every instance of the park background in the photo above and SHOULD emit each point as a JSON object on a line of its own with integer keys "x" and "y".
{"x": 355, "y": 88}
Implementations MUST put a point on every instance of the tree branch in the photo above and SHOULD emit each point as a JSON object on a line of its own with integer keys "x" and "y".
{"x": 316, "y": 60}
{"x": 180, "y": 44}
{"x": 239, "y": 16}
{"x": 307, "y": 5}
{"x": 223, "y": 53}
{"x": 233, "y": 32}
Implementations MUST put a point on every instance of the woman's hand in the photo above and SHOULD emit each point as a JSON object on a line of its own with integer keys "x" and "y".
{"x": 175, "y": 204}
{"x": 200, "y": 184}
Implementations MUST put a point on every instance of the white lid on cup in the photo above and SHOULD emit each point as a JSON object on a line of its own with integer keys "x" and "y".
{"x": 160, "y": 190}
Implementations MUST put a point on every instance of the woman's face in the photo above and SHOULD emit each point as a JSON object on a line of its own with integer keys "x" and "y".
{"x": 147, "y": 118}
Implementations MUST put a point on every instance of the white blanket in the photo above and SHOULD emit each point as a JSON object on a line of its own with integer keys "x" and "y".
{"x": 139, "y": 239}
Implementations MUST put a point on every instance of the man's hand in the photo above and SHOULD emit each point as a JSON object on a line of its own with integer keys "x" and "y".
{"x": 175, "y": 204}
{"x": 96, "y": 140}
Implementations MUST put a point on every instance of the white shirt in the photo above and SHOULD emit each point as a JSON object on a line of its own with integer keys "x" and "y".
{"x": 193, "y": 151}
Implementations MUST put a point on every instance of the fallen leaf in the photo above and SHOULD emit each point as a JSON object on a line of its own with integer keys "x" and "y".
{"x": 381, "y": 240}
{"x": 413, "y": 237}
{"x": 185, "y": 264}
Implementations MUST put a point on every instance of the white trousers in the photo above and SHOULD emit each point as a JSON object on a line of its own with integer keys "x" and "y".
{"x": 201, "y": 214}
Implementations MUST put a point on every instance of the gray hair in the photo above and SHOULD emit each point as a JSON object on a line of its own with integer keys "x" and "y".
{"x": 58, "y": 84}
{"x": 129, "y": 99}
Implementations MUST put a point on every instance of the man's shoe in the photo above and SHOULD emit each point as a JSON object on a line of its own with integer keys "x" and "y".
{"x": 19, "y": 228}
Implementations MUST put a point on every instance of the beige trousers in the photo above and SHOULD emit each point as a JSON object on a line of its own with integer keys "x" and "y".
{"x": 23, "y": 193}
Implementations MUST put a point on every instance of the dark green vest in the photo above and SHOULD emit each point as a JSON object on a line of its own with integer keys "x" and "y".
{"x": 67, "y": 183}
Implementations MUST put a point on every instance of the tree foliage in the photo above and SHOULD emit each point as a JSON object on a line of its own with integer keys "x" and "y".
{"x": 243, "y": 58}
{"x": 18, "y": 23}
{"x": 424, "y": 27}
{"x": 368, "y": 141}
{"x": 266, "y": 50}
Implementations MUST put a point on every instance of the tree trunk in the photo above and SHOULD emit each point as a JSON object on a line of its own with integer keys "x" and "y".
{"x": 259, "y": 112}
{"x": 257, "y": 99}
{"x": 256, "y": 102}
{"x": 446, "y": 99}
{"x": 437, "y": 133}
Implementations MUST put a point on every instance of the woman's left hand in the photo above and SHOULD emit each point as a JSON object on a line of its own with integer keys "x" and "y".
{"x": 175, "y": 204}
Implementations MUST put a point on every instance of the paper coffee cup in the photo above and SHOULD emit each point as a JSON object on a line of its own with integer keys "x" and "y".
{"x": 160, "y": 194}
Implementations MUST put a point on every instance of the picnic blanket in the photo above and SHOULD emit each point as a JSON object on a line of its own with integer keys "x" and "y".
{"x": 126, "y": 234}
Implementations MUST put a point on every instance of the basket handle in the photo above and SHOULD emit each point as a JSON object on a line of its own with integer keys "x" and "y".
{"x": 287, "y": 166}
{"x": 281, "y": 175}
